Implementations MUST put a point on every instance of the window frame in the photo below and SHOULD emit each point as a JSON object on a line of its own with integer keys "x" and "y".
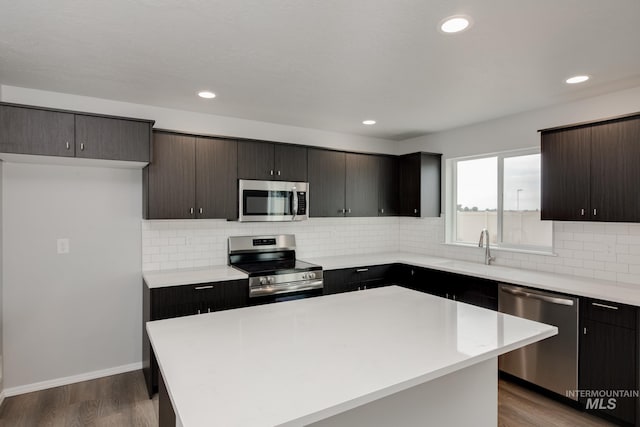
{"x": 453, "y": 199}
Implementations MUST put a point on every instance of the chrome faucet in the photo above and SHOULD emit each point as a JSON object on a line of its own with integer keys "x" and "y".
{"x": 484, "y": 235}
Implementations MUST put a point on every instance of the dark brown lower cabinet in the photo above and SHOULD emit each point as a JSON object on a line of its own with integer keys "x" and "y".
{"x": 609, "y": 359}
{"x": 471, "y": 290}
{"x": 186, "y": 300}
{"x": 358, "y": 278}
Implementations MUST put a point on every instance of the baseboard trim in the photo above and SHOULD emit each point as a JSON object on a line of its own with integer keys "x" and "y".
{"x": 1, "y": 398}
{"x": 28, "y": 388}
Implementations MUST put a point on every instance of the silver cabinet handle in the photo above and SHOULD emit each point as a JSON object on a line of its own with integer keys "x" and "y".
{"x": 582, "y": 212}
{"x": 198, "y": 288}
{"x": 610, "y": 307}
{"x": 595, "y": 212}
{"x": 208, "y": 309}
{"x": 279, "y": 173}
{"x": 545, "y": 298}
{"x": 348, "y": 210}
{"x": 362, "y": 270}
{"x": 382, "y": 210}
{"x": 415, "y": 211}
{"x": 68, "y": 145}
{"x": 342, "y": 211}
{"x": 191, "y": 211}
{"x": 82, "y": 146}
{"x": 271, "y": 172}
{"x": 198, "y": 311}
{"x": 201, "y": 210}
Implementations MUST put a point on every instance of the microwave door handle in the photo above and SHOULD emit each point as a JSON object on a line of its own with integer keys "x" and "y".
{"x": 295, "y": 203}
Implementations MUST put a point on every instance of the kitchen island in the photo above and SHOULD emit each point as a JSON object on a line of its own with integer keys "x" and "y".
{"x": 386, "y": 356}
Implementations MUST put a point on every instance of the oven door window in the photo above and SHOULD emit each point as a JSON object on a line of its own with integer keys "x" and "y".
{"x": 261, "y": 202}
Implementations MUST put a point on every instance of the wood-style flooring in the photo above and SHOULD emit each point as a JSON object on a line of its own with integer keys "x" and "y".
{"x": 121, "y": 400}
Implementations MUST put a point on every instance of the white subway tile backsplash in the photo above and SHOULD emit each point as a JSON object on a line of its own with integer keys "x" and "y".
{"x": 617, "y": 267}
{"x": 598, "y": 250}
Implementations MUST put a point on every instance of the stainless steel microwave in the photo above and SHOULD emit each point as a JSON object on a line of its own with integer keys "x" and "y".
{"x": 273, "y": 200}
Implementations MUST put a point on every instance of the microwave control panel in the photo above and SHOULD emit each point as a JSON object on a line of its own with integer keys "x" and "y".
{"x": 302, "y": 203}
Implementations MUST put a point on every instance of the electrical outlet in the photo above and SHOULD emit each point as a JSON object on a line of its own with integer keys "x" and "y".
{"x": 63, "y": 246}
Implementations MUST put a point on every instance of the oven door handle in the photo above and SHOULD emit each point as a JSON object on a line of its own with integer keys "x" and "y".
{"x": 284, "y": 288}
{"x": 294, "y": 200}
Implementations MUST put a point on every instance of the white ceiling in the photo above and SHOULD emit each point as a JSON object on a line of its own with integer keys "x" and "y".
{"x": 326, "y": 64}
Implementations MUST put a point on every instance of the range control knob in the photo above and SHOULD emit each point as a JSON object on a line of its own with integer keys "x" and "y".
{"x": 270, "y": 280}
{"x": 311, "y": 275}
{"x": 264, "y": 280}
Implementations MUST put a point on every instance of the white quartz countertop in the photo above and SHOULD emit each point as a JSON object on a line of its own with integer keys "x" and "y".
{"x": 191, "y": 276}
{"x": 600, "y": 289}
{"x": 297, "y": 362}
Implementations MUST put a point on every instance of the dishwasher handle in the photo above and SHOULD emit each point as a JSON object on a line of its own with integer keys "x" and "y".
{"x": 534, "y": 295}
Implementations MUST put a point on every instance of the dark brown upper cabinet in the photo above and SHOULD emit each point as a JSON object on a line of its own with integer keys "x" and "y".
{"x": 361, "y": 185}
{"x": 170, "y": 179}
{"x": 191, "y": 177}
{"x": 388, "y": 186}
{"x": 216, "y": 178}
{"x": 590, "y": 172}
{"x": 326, "y": 183}
{"x": 353, "y": 184}
{"x": 46, "y": 132}
{"x": 112, "y": 139}
{"x": 35, "y": 131}
{"x": 419, "y": 186}
{"x": 269, "y": 161}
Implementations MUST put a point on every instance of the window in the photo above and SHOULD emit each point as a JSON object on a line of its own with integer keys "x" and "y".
{"x": 500, "y": 192}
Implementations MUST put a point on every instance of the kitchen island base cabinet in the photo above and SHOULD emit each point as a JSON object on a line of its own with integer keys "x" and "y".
{"x": 435, "y": 403}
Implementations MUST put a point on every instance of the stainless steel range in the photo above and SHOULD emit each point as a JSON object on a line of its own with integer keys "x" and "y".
{"x": 270, "y": 262}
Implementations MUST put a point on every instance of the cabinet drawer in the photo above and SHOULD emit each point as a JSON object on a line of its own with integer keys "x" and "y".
{"x": 366, "y": 273}
{"x": 612, "y": 313}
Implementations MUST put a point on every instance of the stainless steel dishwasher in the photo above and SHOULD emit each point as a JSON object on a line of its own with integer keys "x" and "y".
{"x": 551, "y": 363}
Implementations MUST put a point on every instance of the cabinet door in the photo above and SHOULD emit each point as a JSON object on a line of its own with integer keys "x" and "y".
{"x": 326, "y": 183}
{"x": 475, "y": 291}
{"x": 216, "y": 178}
{"x": 566, "y": 175}
{"x": 40, "y": 132}
{"x": 388, "y": 186}
{"x": 361, "y": 185}
{"x": 236, "y": 294}
{"x": 171, "y": 177}
{"x": 255, "y": 160}
{"x": 410, "y": 185}
{"x": 112, "y": 139}
{"x": 608, "y": 358}
{"x": 334, "y": 282}
{"x": 290, "y": 163}
{"x": 615, "y": 171}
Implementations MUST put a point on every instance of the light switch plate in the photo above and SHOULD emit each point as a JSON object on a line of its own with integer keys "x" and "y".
{"x": 63, "y": 246}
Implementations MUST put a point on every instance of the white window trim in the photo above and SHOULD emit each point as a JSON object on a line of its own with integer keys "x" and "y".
{"x": 451, "y": 187}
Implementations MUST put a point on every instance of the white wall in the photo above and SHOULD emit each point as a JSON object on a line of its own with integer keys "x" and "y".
{"x": 521, "y": 130}
{"x": 67, "y": 315}
{"x": 199, "y": 123}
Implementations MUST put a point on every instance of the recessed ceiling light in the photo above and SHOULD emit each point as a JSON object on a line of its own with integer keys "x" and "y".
{"x": 455, "y": 24}
{"x": 577, "y": 79}
{"x": 369, "y": 122}
{"x": 206, "y": 94}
